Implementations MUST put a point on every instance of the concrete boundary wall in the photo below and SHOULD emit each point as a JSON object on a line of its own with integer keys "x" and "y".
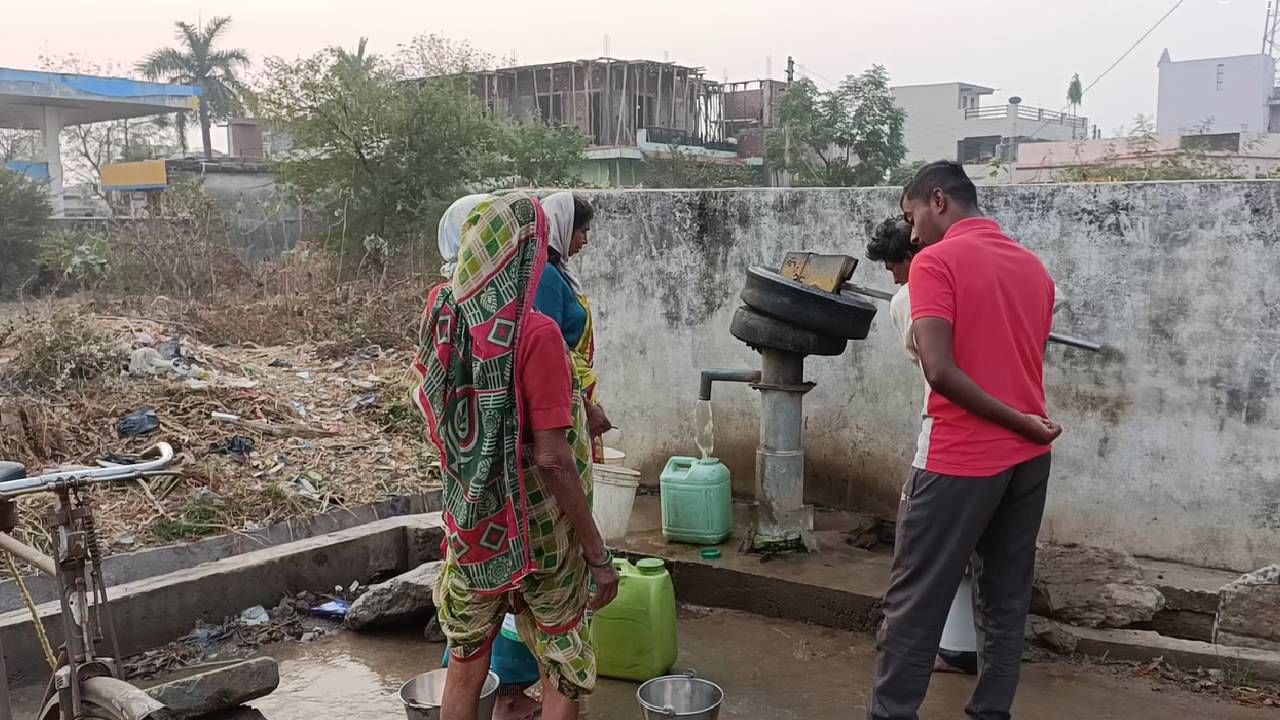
{"x": 1171, "y": 445}
{"x": 134, "y": 566}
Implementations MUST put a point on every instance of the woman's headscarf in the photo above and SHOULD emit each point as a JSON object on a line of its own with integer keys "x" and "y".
{"x": 559, "y": 210}
{"x": 449, "y": 234}
{"x": 467, "y": 362}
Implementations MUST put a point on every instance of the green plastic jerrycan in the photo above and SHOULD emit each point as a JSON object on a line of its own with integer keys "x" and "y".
{"x": 697, "y": 501}
{"x": 635, "y": 635}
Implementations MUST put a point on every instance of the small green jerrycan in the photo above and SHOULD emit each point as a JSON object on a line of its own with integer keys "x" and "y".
{"x": 697, "y": 501}
{"x": 635, "y": 635}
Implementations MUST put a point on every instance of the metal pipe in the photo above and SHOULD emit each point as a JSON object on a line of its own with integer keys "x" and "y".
{"x": 713, "y": 375}
{"x": 1056, "y": 338}
{"x": 781, "y": 515}
{"x": 42, "y": 562}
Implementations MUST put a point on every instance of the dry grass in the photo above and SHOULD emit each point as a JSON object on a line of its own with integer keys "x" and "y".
{"x": 59, "y": 403}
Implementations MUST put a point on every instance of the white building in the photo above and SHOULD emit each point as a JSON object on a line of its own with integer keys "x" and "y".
{"x": 947, "y": 121}
{"x": 1217, "y": 95}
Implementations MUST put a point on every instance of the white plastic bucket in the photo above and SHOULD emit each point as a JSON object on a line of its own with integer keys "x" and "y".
{"x": 613, "y": 456}
{"x": 614, "y": 496}
{"x": 959, "y": 634}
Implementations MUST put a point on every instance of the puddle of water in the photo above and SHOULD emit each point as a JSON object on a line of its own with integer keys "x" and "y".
{"x": 768, "y": 669}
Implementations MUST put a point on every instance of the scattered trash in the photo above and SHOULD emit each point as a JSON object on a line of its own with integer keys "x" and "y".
{"x": 204, "y": 395}
{"x": 282, "y": 430}
{"x": 254, "y": 616}
{"x": 298, "y": 408}
{"x": 170, "y": 349}
{"x": 304, "y": 487}
{"x": 372, "y": 352}
{"x": 361, "y": 401}
{"x": 206, "y": 634}
{"x": 304, "y": 375}
{"x": 332, "y": 610}
{"x": 234, "y": 445}
{"x": 139, "y": 422}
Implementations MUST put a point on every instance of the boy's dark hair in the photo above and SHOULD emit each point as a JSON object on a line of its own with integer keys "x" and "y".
{"x": 582, "y": 212}
{"x": 946, "y": 175}
{"x": 891, "y": 242}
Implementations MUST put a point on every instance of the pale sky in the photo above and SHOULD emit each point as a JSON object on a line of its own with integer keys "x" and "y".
{"x": 1023, "y": 47}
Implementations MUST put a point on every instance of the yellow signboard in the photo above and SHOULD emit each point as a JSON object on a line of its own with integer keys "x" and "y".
{"x": 143, "y": 175}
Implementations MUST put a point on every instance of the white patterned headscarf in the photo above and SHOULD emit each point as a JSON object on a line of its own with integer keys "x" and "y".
{"x": 449, "y": 234}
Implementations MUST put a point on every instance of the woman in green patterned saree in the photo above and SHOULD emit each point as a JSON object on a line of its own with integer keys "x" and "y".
{"x": 500, "y": 400}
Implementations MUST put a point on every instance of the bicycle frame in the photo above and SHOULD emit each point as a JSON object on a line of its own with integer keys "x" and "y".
{"x": 76, "y": 566}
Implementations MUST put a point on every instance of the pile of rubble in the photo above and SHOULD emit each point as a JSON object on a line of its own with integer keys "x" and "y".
{"x": 263, "y": 434}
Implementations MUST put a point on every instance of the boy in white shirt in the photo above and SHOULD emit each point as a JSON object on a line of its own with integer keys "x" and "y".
{"x": 891, "y": 244}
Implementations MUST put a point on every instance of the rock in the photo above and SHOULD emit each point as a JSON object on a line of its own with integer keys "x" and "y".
{"x": 432, "y": 633}
{"x": 1053, "y": 636}
{"x": 1092, "y": 587}
{"x": 1249, "y": 611}
{"x": 402, "y": 598}
{"x": 221, "y": 687}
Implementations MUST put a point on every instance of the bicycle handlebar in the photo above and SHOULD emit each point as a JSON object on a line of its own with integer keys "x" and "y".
{"x": 79, "y": 477}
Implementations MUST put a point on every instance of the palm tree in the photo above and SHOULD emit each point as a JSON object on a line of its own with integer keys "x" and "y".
{"x": 196, "y": 62}
{"x": 357, "y": 62}
{"x": 1075, "y": 94}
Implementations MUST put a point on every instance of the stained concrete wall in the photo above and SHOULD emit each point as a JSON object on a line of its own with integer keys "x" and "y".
{"x": 1170, "y": 448}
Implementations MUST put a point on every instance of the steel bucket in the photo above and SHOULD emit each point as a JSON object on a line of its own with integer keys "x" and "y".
{"x": 680, "y": 696}
{"x": 423, "y": 694}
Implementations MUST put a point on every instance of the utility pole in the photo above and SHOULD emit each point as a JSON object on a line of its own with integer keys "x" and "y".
{"x": 791, "y": 69}
{"x": 1269, "y": 28}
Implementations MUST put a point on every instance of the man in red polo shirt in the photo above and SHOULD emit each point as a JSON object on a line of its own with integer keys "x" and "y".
{"x": 981, "y": 308}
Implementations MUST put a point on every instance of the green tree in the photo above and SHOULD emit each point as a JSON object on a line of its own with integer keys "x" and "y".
{"x": 380, "y": 155}
{"x": 1140, "y": 156}
{"x": 198, "y": 62}
{"x": 431, "y": 55}
{"x": 24, "y": 219}
{"x": 1075, "y": 95}
{"x": 679, "y": 169}
{"x": 902, "y": 174}
{"x": 852, "y": 135}
{"x": 357, "y": 61}
{"x": 538, "y": 154}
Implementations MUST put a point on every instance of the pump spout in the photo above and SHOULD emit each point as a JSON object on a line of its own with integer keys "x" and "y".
{"x": 713, "y": 375}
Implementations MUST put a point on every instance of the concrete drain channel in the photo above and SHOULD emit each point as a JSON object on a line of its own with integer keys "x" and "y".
{"x": 221, "y": 577}
{"x": 158, "y": 595}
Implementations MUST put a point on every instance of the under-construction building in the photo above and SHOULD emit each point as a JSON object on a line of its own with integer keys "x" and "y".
{"x": 628, "y": 109}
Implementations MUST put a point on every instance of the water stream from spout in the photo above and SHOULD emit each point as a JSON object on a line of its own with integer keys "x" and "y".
{"x": 705, "y": 435}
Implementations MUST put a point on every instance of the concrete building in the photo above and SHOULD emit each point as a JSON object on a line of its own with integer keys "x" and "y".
{"x": 49, "y": 101}
{"x": 1217, "y": 95}
{"x": 629, "y": 109}
{"x": 1239, "y": 155}
{"x": 949, "y": 121}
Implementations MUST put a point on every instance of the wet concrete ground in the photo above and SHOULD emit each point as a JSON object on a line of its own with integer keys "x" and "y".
{"x": 768, "y": 668}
